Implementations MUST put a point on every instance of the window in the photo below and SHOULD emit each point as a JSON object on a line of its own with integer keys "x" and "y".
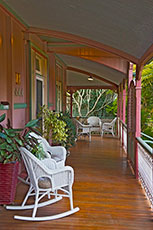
{"x": 38, "y": 65}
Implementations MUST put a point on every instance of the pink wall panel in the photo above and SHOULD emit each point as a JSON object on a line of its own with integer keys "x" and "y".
{"x": 18, "y": 60}
{"x": 19, "y": 118}
{"x": 12, "y": 61}
{"x": 3, "y": 75}
{"x": 52, "y": 92}
{"x": 2, "y": 112}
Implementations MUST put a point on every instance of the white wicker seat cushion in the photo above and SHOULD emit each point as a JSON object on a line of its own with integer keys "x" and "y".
{"x": 44, "y": 183}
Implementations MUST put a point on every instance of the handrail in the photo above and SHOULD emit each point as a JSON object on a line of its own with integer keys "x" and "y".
{"x": 125, "y": 125}
{"x": 145, "y": 135}
{"x": 141, "y": 141}
{"x": 145, "y": 145}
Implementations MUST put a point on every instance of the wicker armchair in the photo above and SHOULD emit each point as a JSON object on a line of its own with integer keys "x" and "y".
{"x": 55, "y": 184}
{"x": 96, "y": 124}
{"x": 82, "y": 129}
{"x": 55, "y": 156}
{"x": 109, "y": 127}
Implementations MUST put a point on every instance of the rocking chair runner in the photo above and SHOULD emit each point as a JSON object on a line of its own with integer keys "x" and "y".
{"x": 58, "y": 179}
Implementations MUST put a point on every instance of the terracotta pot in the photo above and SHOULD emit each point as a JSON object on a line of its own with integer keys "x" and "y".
{"x": 8, "y": 182}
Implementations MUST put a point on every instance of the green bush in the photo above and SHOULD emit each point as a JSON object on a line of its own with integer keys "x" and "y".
{"x": 51, "y": 127}
{"x": 71, "y": 129}
{"x": 12, "y": 139}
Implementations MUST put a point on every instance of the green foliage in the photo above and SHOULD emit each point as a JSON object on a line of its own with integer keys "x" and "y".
{"x": 9, "y": 143}
{"x": 71, "y": 129}
{"x": 92, "y": 102}
{"x": 112, "y": 108}
{"x": 2, "y": 117}
{"x": 53, "y": 128}
{"x": 32, "y": 123}
{"x": 12, "y": 139}
{"x": 147, "y": 100}
{"x": 38, "y": 151}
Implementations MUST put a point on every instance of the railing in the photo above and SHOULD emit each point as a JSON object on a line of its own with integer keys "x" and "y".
{"x": 124, "y": 127}
{"x": 147, "y": 139}
{"x": 145, "y": 159}
{"x": 120, "y": 131}
{"x": 123, "y": 135}
{"x": 145, "y": 167}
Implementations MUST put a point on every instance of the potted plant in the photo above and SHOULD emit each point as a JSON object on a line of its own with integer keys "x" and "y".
{"x": 70, "y": 130}
{"x": 10, "y": 141}
{"x": 52, "y": 128}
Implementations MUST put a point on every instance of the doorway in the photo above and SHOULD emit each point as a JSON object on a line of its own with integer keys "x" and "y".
{"x": 39, "y": 94}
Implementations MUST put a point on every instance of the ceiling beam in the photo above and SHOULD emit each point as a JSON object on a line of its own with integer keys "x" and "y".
{"x": 71, "y": 88}
{"x": 147, "y": 56}
{"x": 101, "y": 60}
{"x": 93, "y": 75}
{"x": 54, "y": 45}
{"x": 83, "y": 41}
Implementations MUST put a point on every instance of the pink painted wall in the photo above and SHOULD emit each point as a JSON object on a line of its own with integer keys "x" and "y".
{"x": 14, "y": 51}
{"x": 3, "y": 76}
{"x": 52, "y": 90}
{"x": 64, "y": 89}
{"x": 53, "y": 77}
{"x": 3, "y": 66}
{"x": 18, "y": 66}
{"x": 12, "y": 61}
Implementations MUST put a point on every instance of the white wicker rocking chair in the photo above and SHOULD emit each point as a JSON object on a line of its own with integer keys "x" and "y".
{"x": 56, "y": 155}
{"x": 58, "y": 179}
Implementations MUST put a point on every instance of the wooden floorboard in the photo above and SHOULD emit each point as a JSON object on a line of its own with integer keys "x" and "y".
{"x": 108, "y": 195}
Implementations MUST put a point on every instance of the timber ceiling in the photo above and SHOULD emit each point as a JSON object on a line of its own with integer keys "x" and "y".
{"x": 98, "y": 37}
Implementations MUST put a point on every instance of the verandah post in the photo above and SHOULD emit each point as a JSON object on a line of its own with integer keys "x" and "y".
{"x": 119, "y": 109}
{"x": 138, "y": 114}
{"x": 123, "y": 110}
{"x": 71, "y": 103}
{"x": 130, "y": 78}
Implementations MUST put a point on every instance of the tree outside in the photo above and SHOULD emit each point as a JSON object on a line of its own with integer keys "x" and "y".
{"x": 103, "y": 103}
{"x": 147, "y": 100}
{"x": 94, "y": 102}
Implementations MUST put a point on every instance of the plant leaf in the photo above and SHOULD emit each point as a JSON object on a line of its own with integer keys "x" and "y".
{"x": 2, "y": 135}
{"x": 9, "y": 148}
{"x": 3, "y": 145}
{"x": 10, "y": 132}
{"x": 9, "y": 156}
{"x": 6, "y": 161}
{"x": 2, "y": 117}
{"x": 32, "y": 123}
{"x": 18, "y": 141}
{"x": 9, "y": 140}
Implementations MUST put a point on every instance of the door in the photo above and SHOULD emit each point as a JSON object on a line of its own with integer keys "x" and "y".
{"x": 39, "y": 94}
{"x": 58, "y": 96}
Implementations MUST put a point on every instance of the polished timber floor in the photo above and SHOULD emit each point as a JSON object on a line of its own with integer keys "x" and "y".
{"x": 108, "y": 195}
